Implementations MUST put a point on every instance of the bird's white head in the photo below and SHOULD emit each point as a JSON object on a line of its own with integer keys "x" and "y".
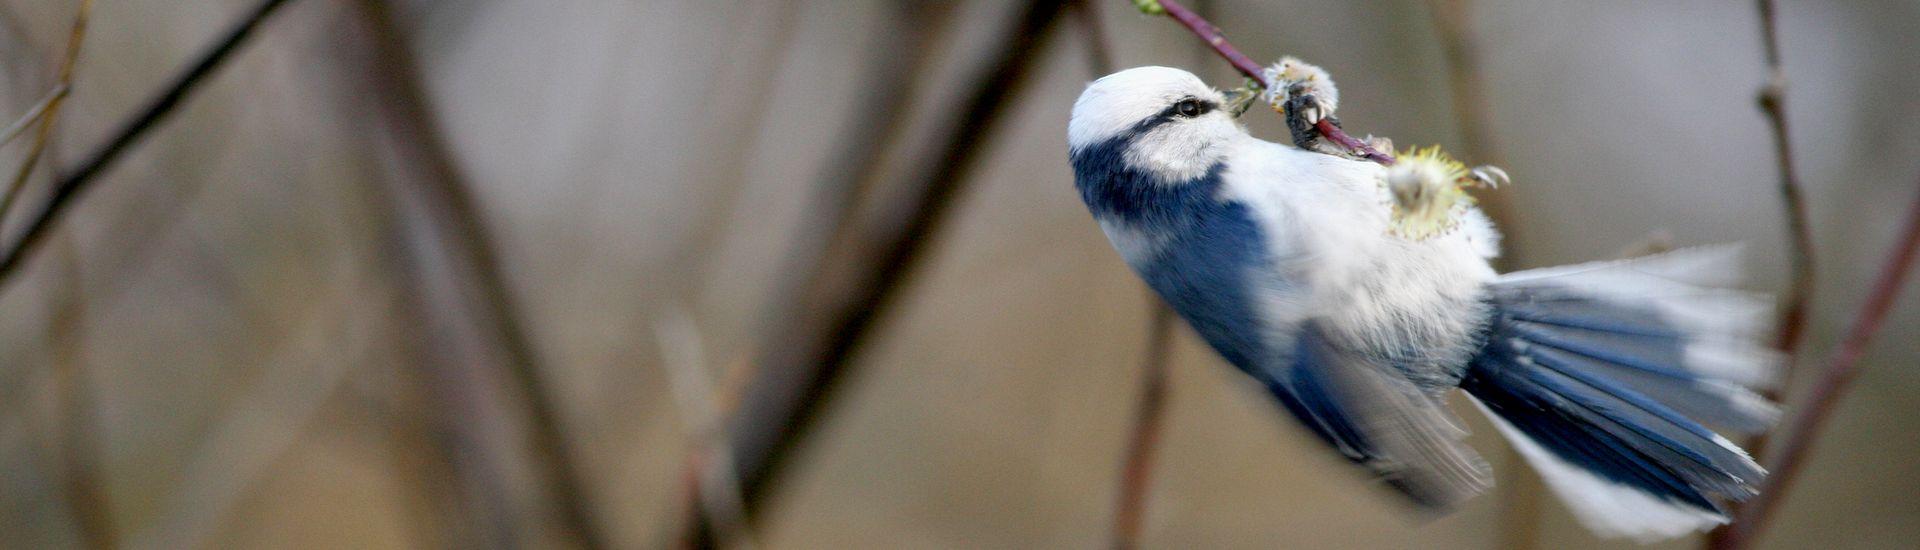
{"x": 1168, "y": 122}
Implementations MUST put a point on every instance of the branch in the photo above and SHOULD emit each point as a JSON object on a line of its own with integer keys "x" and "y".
{"x": 445, "y": 196}
{"x": 1213, "y": 37}
{"x": 76, "y": 36}
{"x": 1836, "y": 378}
{"x": 1148, "y": 415}
{"x": 898, "y": 56}
{"x": 804, "y": 355}
{"x": 1793, "y": 318}
{"x": 33, "y": 114}
{"x": 158, "y": 108}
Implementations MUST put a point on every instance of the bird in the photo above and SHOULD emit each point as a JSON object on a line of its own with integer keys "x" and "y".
{"x": 1286, "y": 261}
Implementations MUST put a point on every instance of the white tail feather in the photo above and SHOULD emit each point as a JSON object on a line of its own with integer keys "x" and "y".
{"x": 1610, "y": 510}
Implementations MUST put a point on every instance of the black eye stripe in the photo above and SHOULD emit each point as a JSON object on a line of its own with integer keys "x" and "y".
{"x": 1174, "y": 110}
{"x": 1170, "y": 114}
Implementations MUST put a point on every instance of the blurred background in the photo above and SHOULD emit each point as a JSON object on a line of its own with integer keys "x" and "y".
{"x": 356, "y": 288}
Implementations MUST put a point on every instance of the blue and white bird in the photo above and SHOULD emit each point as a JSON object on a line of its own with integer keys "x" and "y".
{"x": 1604, "y": 376}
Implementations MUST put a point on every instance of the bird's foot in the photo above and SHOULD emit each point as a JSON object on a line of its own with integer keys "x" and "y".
{"x": 1305, "y": 95}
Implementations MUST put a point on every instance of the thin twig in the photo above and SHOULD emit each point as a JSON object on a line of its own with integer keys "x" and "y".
{"x": 1148, "y": 416}
{"x": 1793, "y": 317}
{"x": 33, "y": 114}
{"x": 805, "y": 355}
{"x": 74, "y": 183}
{"x": 44, "y": 133}
{"x": 1842, "y": 367}
{"x": 1246, "y": 65}
{"x": 445, "y": 195}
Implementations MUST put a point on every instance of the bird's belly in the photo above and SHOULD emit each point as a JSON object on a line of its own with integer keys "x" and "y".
{"x": 1421, "y": 314}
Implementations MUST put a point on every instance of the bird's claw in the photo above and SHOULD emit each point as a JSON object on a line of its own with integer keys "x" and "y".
{"x": 1305, "y": 95}
{"x": 1310, "y": 110}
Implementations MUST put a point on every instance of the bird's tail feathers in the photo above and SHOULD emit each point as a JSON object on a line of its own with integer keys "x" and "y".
{"x": 1601, "y": 375}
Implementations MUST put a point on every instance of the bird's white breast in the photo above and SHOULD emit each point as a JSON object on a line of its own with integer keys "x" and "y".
{"x": 1326, "y": 223}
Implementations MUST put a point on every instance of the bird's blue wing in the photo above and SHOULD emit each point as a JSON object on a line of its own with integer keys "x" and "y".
{"x": 1375, "y": 418}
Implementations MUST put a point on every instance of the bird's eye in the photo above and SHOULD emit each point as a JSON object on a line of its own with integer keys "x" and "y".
{"x": 1188, "y": 108}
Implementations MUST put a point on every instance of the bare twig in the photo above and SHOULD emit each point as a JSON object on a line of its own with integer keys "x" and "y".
{"x": 443, "y": 193}
{"x": 1246, "y": 65}
{"x": 1148, "y": 415}
{"x": 33, "y": 114}
{"x": 803, "y": 356}
{"x": 1836, "y": 378}
{"x": 1793, "y": 317}
{"x": 74, "y": 183}
{"x": 44, "y": 133}
{"x": 79, "y": 435}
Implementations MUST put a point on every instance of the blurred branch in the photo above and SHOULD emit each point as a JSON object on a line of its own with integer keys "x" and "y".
{"x": 440, "y": 415}
{"x": 75, "y": 37}
{"x": 1148, "y": 415}
{"x": 1246, "y": 65}
{"x": 738, "y": 100}
{"x": 804, "y": 354}
{"x": 1836, "y": 378}
{"x": 74, "y": 183}
{"x": 33, "y": 113}
{"x": 1086, "y": 15}
{"x": 79, "y": 433}
{"x": 452, "y": 210}
{"x": 683, "y": 354}
{"x": 886, "y": 91}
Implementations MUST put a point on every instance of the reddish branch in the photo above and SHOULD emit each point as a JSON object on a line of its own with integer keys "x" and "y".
{"x": 1841, "y": 369}
{"x": 1212, "y": 35}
